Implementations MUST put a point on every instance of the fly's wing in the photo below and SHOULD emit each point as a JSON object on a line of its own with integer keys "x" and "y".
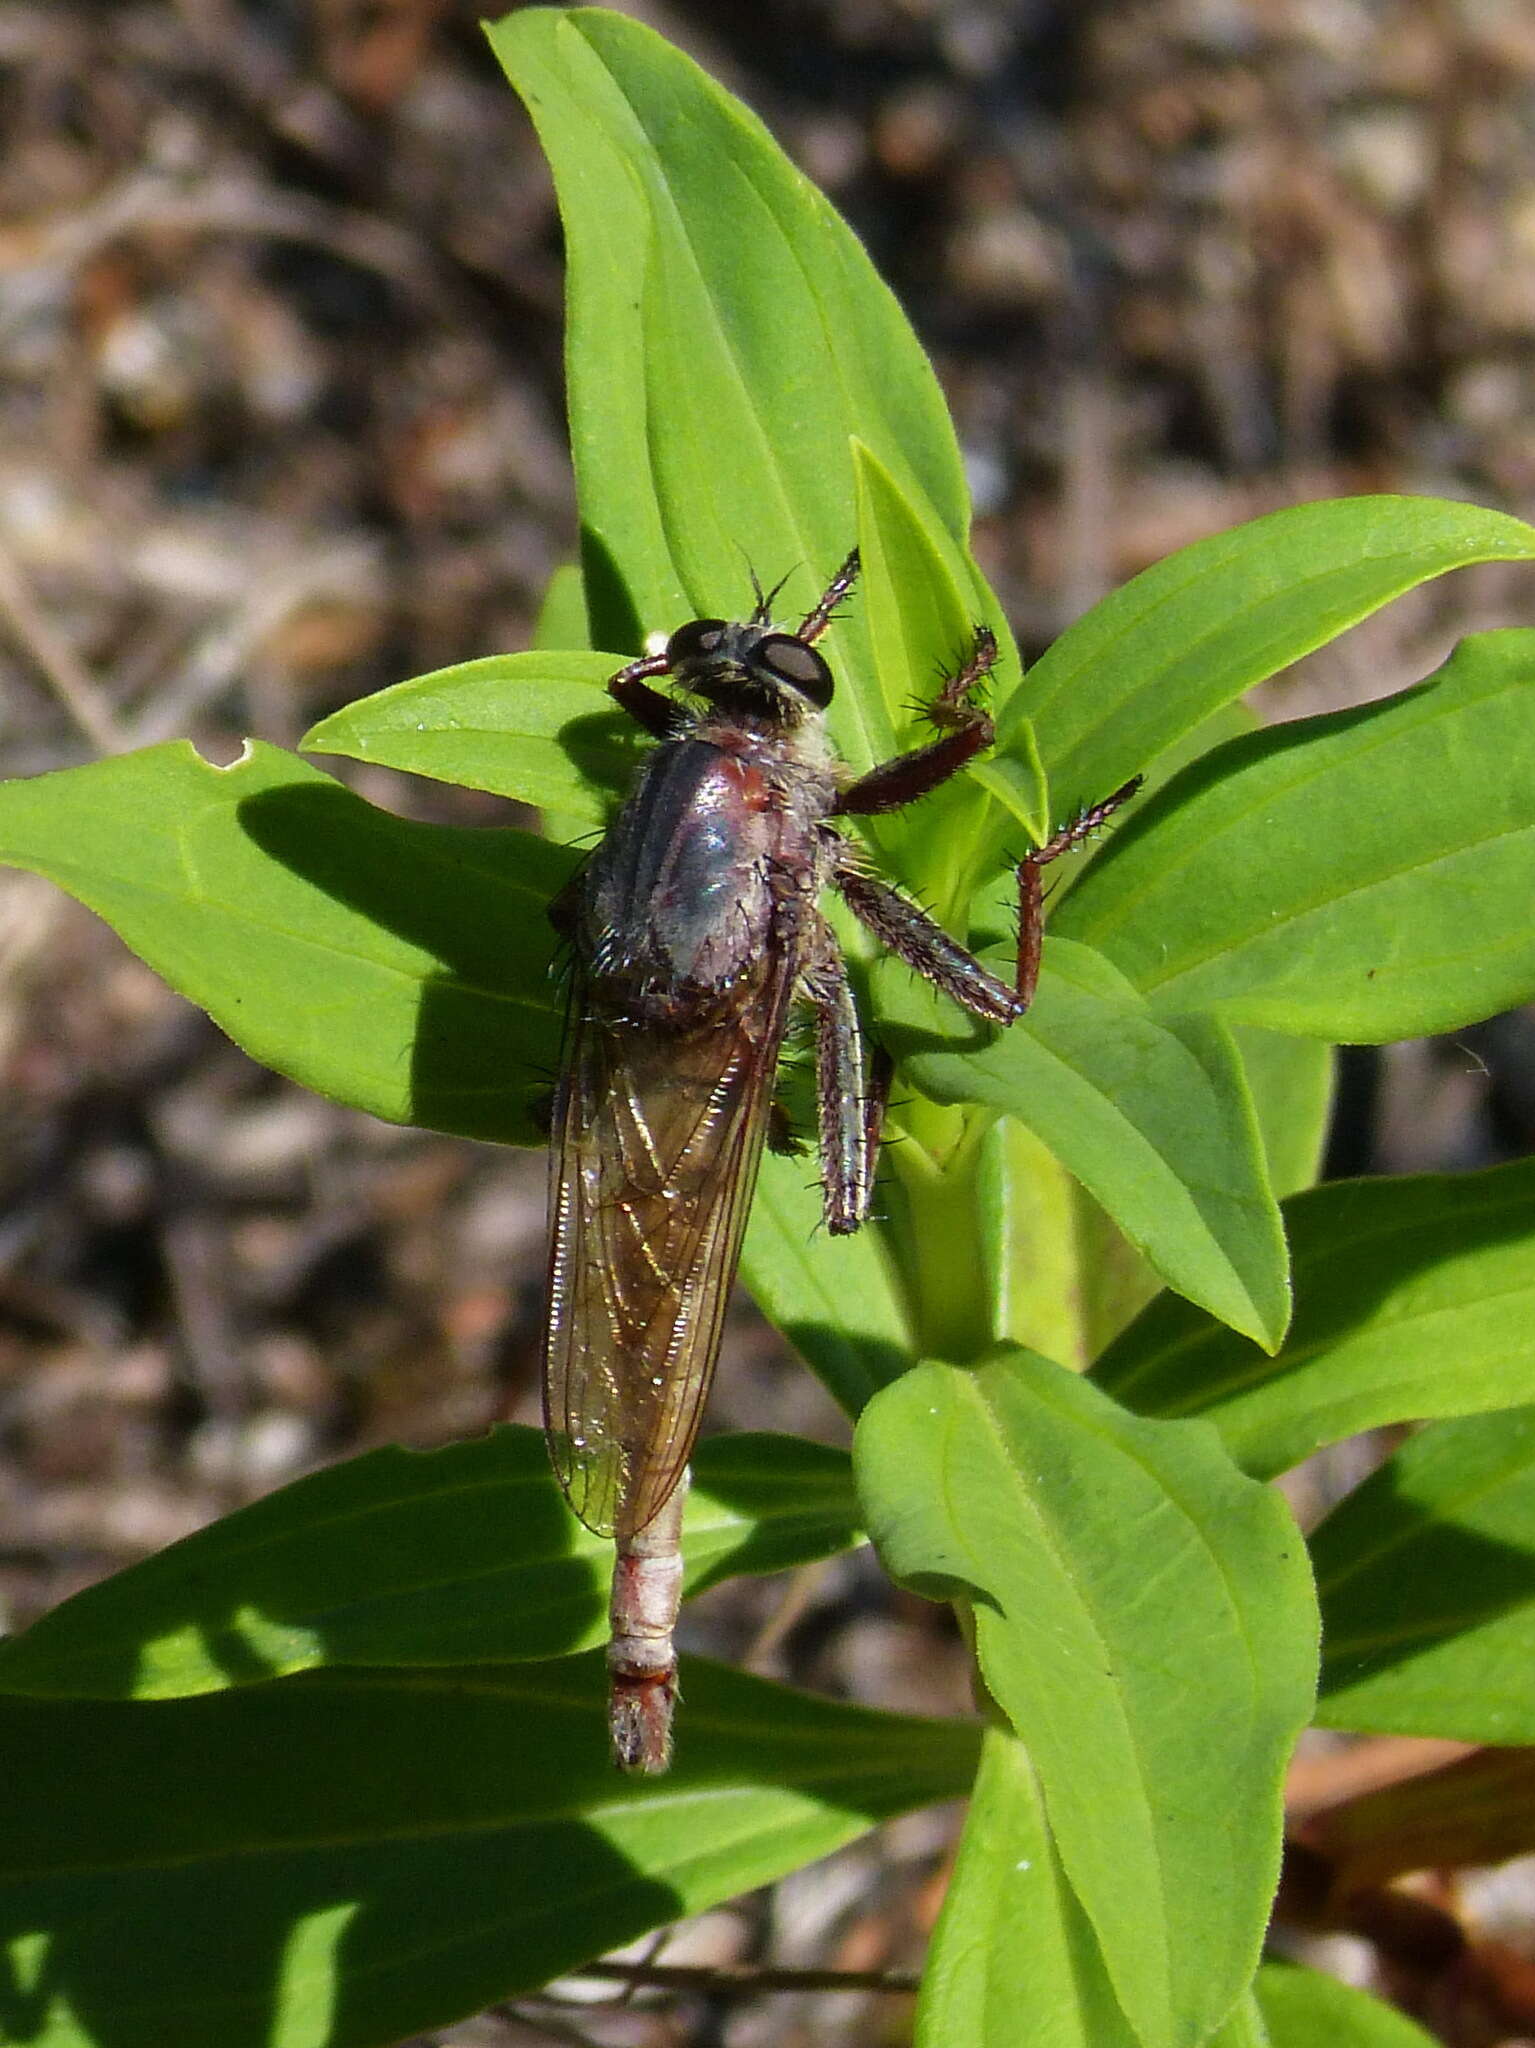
{"x": 657, "y": 1139}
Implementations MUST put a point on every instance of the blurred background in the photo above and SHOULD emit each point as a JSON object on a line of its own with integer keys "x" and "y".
{"x": 281, "y": 423}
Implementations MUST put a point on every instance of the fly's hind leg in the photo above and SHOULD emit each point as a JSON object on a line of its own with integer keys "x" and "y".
{"x": 905, "y": 929}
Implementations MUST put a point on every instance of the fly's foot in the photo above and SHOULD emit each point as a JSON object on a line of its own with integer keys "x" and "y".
{"x": 1091, "y": 818}
{"x": 955, "y": 705}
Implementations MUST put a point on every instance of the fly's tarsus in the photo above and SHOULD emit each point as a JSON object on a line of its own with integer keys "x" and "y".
{"x": 1089, "y": 819}
{"x": 819, "y": 616}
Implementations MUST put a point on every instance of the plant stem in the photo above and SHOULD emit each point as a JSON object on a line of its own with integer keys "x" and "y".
{"x": 938, "y": 1228}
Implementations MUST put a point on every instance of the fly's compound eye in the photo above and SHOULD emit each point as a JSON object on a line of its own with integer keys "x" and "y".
{"x": 788, "y": 660}
{"x": 698, "y": 641}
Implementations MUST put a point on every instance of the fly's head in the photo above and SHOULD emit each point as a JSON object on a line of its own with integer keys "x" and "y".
{"x": 751, "y": 667}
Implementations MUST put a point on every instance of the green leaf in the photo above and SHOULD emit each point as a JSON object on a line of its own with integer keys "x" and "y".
{"x": 1012, "y": 1937}
{"x": 1243, "y": 2028}
{"x": 1151, "y": 1115}
{"x": 1426, "y": 1575}
{"x": 354, "y": 1858}
{"x": 1361, "y": 876}
{"x": 562, "y": 621}
{"x": 1291, "y": 1084}
{"x": 466, "y": 1554}
{"x": 920, "y": 622}
{"x": 1414, "y": 1298}
{"x": 1303, "y": 2009}
{"x": 538, "y": 727}
{"x": 562, "y": 624}
{"x": 727, "y": 336}
{"x": 401, "y": 968}
{"x": 1143, "y": 1614}
{"x": 1196, "y": 630}
{"x": 922, "y": 626}
{"x": 837, "y": 1299}
{"x": 1063, "y": 1279}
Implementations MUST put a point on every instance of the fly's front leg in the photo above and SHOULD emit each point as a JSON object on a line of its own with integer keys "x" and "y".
{"x": 564, "y": 911}
{"x": 1031, "y": 889}
{"x": 818, "y": 618}
{"x": 965, "y": 730}
{"x": 782, "y": 1137}
{"x": 647, "y": 707}
{"x": 850, "y": 1110}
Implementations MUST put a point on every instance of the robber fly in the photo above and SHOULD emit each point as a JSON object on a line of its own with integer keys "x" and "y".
{"x": 694, "y": 931}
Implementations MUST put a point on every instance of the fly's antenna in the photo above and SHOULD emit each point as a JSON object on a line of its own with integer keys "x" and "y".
{"x": 762, "y": 611}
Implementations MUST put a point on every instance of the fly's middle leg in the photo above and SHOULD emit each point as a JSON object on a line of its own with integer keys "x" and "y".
{"x": 964, "y": 730}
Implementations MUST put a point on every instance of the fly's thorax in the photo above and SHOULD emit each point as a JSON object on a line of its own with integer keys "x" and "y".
{"x": 797, "y": 764}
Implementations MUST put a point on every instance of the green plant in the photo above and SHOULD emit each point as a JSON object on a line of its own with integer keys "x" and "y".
{"x": 334, "y": 1770}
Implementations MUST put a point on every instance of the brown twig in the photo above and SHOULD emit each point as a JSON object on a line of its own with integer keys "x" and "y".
{"x": 802, "y": 1588}
{"x": 55, "y": 659}
{"x": 214, "y": 198}
{"x": 745, "y": 1980}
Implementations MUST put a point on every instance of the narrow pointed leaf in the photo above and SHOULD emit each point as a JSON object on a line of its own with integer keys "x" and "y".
{"x": 727, "y": 336}
{"x": 562, "y": 622}
{"x": 920, "y": 620}
{"x": 466, "y": 1554}
{"x": 562, "y": 625}
{"x": 1357, "y": 877}
{"x": 1243, "y": 2028}
{"x": 1196, "y": 630}
{"x": 1150, "y": 1113}
{"x": 1426, "y": 1575}
{"x": 1414, "y": 1298}
{"x": 401, "y": 968}
{"x": 1291, "y": 1081}
{"x": 353, "y": 1859}
{"x": 922, "y": 627}
{"x": 1143, "y": 1614}
{"x": 1063, "y": 1278}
